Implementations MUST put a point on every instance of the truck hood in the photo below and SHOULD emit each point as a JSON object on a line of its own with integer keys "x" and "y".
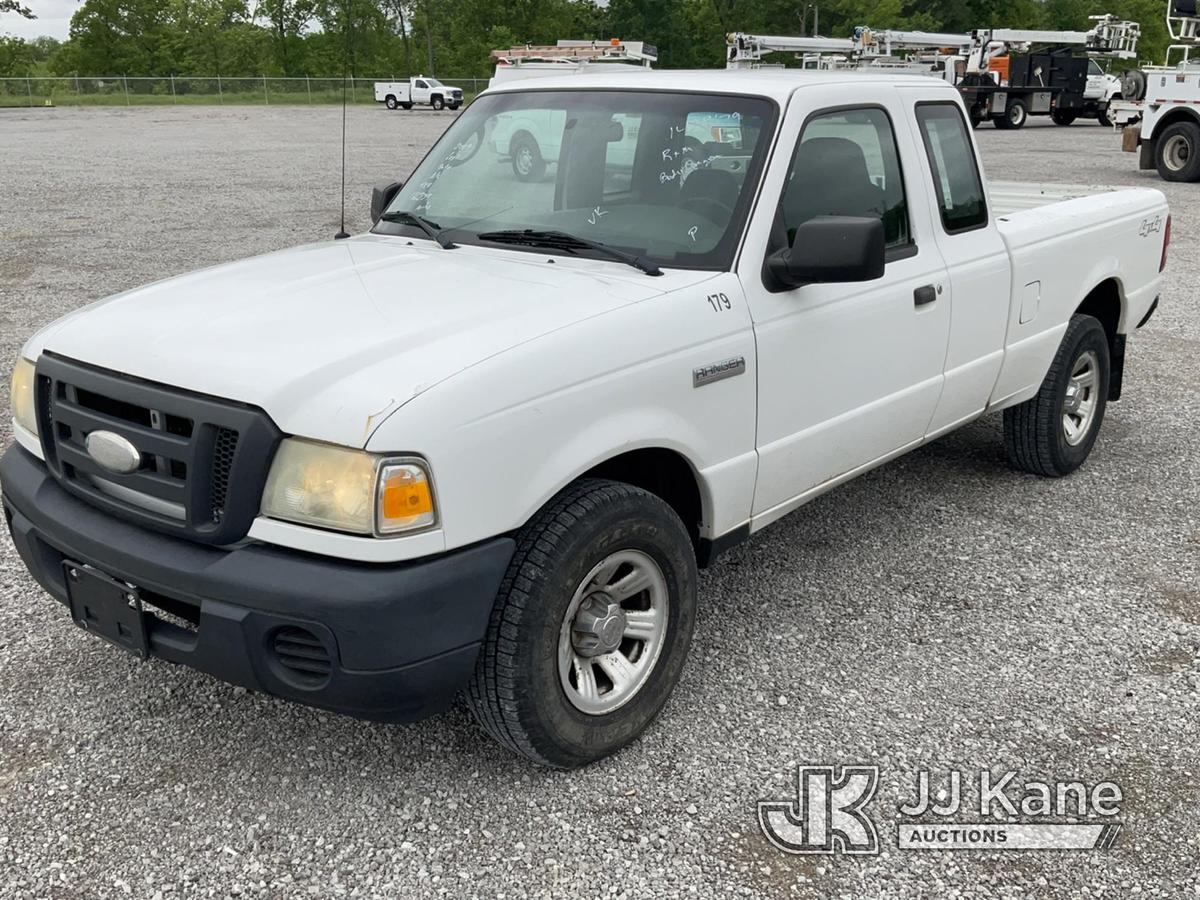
{"x": 330, "y": 339}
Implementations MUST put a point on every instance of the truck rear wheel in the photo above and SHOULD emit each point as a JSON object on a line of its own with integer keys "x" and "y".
{"x": 390, "y": 102}
{"x": 1063, "y": 117}
{"x": 591, "y": 626}
{"x": 406, "y": 106}
{"x": 1015, "y": 116}
{"x": 1054, "y": 432}
{"x": 1177, "y": 152}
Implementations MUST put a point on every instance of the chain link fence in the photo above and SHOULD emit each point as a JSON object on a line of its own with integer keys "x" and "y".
{"x": 261, "y": 91}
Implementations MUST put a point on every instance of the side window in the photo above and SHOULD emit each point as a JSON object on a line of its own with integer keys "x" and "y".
{"x": 422, "y": 84}
{"x": 955, "y": 173}
{"x": 846, "y": 164}
{"x": 1094, "y": 68}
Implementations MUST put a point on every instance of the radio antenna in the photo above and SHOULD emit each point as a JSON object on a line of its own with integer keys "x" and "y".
{"x": 342, "y": 232}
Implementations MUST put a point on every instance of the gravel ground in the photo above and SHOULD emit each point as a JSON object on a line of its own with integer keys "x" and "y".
{"x": 942, "y": 612}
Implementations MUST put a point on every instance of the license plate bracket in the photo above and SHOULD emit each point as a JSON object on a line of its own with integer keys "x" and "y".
{"x": 107, "y": 608}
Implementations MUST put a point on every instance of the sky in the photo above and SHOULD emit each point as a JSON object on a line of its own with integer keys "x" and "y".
{"x": 53, "y": 18}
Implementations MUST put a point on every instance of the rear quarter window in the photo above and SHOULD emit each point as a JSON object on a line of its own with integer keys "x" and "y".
{"x": 961, "y": 200}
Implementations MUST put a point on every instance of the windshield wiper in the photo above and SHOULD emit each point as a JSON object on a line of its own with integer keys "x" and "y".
{"x": 433, "y": 229}
{"x": 561, "y": 240}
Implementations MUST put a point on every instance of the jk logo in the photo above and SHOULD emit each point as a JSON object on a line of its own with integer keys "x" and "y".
{"x": 827, "y": 814}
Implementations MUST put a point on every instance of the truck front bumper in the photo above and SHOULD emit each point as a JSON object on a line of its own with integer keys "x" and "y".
{"x": 392, "y": 643}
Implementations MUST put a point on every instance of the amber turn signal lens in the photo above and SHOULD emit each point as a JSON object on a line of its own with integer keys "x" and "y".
{"x": 405, "y": 498}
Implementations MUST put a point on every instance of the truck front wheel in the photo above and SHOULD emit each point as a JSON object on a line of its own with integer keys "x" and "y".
{"x": 1054, "y": 432}
{"x": 591, "y": 626}
{"x": 1177, "y": 152}
{"x": 527, "y": 161}
{"x": 438, "y": 103}
{"x": 1063, "y": 117}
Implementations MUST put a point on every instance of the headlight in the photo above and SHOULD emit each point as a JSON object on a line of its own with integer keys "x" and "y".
{"x": 21, "y": 400}
{"x": 348, "y": 490}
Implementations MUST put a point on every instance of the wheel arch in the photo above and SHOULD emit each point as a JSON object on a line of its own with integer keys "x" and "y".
{"x": 665, "y": 472}
{"x": 1106, "y": 303}
{"x": 1175, "y": 116}
{"x": 519, "y": 134}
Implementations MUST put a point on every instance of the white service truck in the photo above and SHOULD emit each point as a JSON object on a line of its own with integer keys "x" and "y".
{"x": 485, "y": 447}
{"x": 1159, "y": 113}
{"x": 419, "y": 91}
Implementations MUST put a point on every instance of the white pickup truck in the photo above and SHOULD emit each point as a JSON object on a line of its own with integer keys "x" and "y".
{"x": 485, "y": 447}
{"x": 419, "y": 91}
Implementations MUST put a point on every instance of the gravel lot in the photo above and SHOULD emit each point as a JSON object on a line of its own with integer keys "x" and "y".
{"x": 942, "y": 612}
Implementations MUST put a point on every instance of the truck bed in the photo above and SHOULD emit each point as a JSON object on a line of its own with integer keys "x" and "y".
{"x": 1009, "y": 197}
{"x": 1064, "y": 240}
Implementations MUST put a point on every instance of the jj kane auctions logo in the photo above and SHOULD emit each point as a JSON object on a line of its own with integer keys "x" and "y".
{"x": 830, "y": 813}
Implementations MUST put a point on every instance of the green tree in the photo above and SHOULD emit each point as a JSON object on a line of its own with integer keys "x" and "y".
{"x": 16, "y": 57}
{"x": 288, "y": 20}
{"x": 19, "y": 9}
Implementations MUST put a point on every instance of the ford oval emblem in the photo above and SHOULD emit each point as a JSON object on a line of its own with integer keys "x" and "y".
{"x": 113, "y": 452}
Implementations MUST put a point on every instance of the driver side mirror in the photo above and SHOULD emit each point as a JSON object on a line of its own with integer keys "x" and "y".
{"x": 829, "y": 250}
{"x": 381, "y": 198}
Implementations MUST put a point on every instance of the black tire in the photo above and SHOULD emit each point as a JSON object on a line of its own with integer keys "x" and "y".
{"x": 1177, "y": 152}
{"x": 527, "y": 162}
{"x": 390, "y": 102}
{"x": 406, "y": 106}
{"x": 438, "y": 103}
{"x": 516, "y": 693}
{"x": 1035, "y": 435}
{"x": 1102, "y": 115}
{"x": 1063, "y": 117}
{"x": 453, "y": 106}
{"x": 1016, "y": 114}
{"x": 976, "y": 118}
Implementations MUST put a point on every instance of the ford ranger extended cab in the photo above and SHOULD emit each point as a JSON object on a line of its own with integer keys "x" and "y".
{"x": 484, "y": 448}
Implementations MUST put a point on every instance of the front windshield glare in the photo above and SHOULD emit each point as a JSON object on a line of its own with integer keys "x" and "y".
{"x": 666, "y": 176}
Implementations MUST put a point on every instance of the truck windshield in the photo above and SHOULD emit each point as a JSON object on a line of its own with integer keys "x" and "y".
{"x": 668, "y": 177}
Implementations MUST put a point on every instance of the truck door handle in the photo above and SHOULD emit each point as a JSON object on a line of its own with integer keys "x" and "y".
{"x": 923, "y": 296}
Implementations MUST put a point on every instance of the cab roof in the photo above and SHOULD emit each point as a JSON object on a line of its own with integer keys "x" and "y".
{"x": 777, "y": 84}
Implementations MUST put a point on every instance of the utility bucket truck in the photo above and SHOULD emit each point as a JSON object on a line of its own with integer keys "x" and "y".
{"x": 1012, "y": 74}
{"x": 1159, "y": 113}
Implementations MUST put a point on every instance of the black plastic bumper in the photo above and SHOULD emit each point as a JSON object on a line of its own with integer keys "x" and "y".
{"x": 400, "y": 640}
